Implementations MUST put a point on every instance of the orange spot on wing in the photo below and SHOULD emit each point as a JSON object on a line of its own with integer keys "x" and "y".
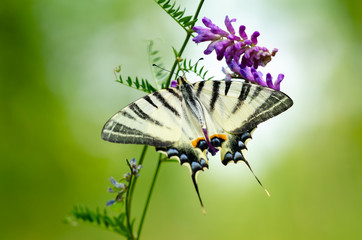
{"x": 222, "y": 136}
{"x": 196, "y": 141}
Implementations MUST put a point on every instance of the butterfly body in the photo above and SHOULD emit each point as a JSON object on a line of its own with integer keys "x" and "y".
{"x": 190, "y": 120}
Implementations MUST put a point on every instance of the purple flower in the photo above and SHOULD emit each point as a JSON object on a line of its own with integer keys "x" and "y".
{"x": 173, "y": 83}
{"x": 252, "y": 75}
{"x": 241, "y": 54}
{"x": 227, "y": 44}
{"x": 110, "y": 202}
{"x": 134, "y": 167}
{"x": 118, "y": 188}
{"x": 116, "y": 184}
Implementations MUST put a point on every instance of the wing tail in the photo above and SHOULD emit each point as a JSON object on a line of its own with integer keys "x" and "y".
{"x": 194, "y": 157}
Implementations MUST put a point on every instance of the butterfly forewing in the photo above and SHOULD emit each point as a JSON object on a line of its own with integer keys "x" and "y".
{"x": 237, "y": 106}
{"x": 153, "y": 120}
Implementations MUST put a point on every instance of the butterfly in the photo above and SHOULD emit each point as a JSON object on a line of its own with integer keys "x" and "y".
{"x": 189, "y": 121}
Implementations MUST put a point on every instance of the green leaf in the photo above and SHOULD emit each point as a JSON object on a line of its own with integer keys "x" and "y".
{"x": 166, "y": 4}
{"x": 98, "y": 216}
{"x": 189, "y": 67}
{"x": 179, "y": 14}
{"x": 171, "y": 10}
{"x": 203, "y": 76}
{"x": 156, "y": 59}
{"x": 190, "y": 23}
{"x": 176, "y": 14}
{"x": 202, "y": 68}
{"x": 137, "y": 83}
{"x": 185, "y": 19}
{"x": 143, "y": 85}
{"x": 175, "y": 52}
{"x": 129, "y": 81}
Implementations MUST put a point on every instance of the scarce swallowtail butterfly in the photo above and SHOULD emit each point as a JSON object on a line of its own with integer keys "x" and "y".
{"x": 190, "y": 120}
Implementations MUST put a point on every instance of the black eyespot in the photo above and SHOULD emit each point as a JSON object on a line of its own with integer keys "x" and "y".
{"x": 203, "y": 163}
{"x": 202, "y": 144}
{"x": 241, "y": 145}
{"x": 183, "y": 158}
{"x": 238, "y": 156}
{"x": 227, "y": 158}
{"x": 215, "y": 142}
{"x": 172, "y": 152}
{"x": 245, "y": 136}
{"x": 195, "y": 166}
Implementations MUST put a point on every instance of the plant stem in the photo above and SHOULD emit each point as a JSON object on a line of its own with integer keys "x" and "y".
{"x": 132, "y": 183}
{"x": 179, "y": 53}
{"x": 128, "y": 209}
{"x": 142, "y": 157}
{"x": 189, "y": 33}
{"x": 149, "y": 197}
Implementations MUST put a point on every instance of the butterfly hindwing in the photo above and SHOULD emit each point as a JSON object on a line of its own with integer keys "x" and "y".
{"x": 237, "y": 108}
{"x": 191, "y": 148}
{"x": 154, "y": 119}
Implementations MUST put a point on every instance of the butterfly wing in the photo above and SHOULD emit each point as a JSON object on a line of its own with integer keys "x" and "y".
{"x": 151, "y": 120}
{"x": 190, "y": 149}
{"x": 160, "y": 119}
{"x": 237, "y": 108}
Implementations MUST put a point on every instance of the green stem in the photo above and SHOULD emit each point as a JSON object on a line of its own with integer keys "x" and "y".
{"x": 128, "y": 209}
{"x": 179, "y": 54}
{"x": 129, "y": 196}
{"x": 142, "y": 157}
{"x": 189, "y": 33}
{"x": 149, "y": 197}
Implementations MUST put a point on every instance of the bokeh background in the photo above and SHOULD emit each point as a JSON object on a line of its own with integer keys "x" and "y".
{"x": 58, "y": 89}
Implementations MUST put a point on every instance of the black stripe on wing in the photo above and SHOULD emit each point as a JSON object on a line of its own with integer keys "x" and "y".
{"x": 166, "y": 104}
{"x": 227, "y": 87}
{"x": 200, "y": 86}
{"x": 127, "y": 115}
{"x": 140, "y": 113}
{"x": 119, "y": 133}
{"x": 243, "y": 95}
{"x": 149, "y": 100}
{"x": 275, "y": 104}
{"x": 174, "y": 93}
{"x": 255, "y": 93}
{"x": 215, "y": 94}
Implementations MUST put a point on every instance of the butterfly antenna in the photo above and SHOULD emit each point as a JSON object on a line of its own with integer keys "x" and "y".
{"x": 164, "y": 69}
{"x": 197, "y": 191}
{"x": 266, "y": 191}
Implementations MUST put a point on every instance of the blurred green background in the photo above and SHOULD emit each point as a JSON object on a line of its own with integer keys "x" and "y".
{"x": 58, "y": 89}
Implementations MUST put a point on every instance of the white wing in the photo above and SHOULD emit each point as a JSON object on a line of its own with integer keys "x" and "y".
{"x": 235, "y": 109}
{"x": 152, "y": 120}
{"x": 237, "y": 106}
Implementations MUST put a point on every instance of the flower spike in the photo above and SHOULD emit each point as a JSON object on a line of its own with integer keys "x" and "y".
{"x": 242, "y": 54}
